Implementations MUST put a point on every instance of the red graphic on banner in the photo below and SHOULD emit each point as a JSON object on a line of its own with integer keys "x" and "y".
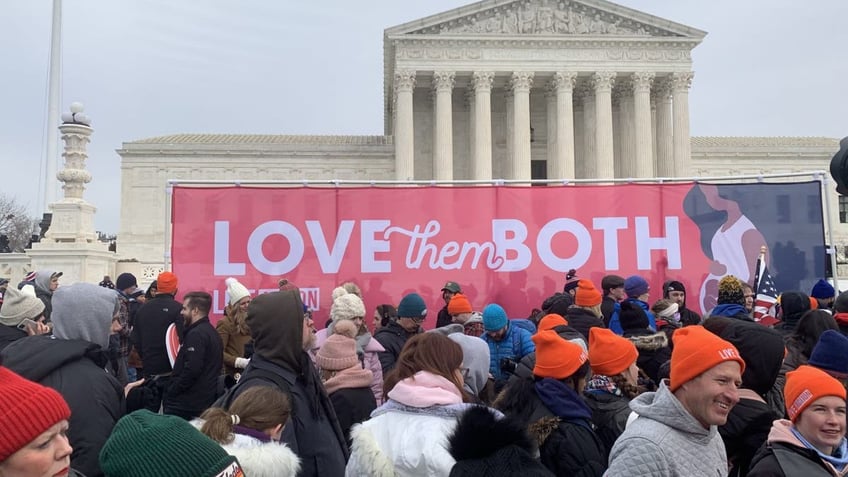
{"x": 506, "y": 245}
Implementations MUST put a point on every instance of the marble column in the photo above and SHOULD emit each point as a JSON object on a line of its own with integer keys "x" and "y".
{"x": 602, "y": 83}
{"x": 654, "y": 132}
{"x": 628, "y": 131}
{"x": 509, "y": 103}
{"x": 616, "y": 130}
{"x": 443, "y": 82}
{"x": 520, "y": 84}
{"x": 481, "y": 157}
{"x": 681, "y": 82}
{"x": 562, "y": 166}
{"x": 550, "y": 109}
{"x": 579, "y": 154}
{"x": 642, "y": 115}
{"x": 665, "y": 142}
{"x": 589, "y": 125}
{"x": 404, "y": 134}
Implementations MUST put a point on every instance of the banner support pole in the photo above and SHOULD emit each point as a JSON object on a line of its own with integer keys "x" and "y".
{"x": 166, "y": 254}
{"x": 831, "y": 247}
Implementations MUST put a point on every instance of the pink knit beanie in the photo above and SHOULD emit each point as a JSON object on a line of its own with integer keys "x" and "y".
{"x": 339, "y": 351}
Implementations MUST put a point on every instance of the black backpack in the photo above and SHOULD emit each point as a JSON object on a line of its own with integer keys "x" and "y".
{"x": 269, "y": 377}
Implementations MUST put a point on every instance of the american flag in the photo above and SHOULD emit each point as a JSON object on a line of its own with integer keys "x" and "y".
{"x": 766, "y": 295}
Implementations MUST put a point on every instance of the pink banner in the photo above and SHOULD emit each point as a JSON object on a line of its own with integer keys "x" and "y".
{"x": 507, "y": 245}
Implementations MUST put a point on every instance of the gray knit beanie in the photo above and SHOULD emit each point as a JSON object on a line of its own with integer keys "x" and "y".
{"x": 84, "y": 311}
{"x": 347, "y": 307}
{"x": 18, "y": 306}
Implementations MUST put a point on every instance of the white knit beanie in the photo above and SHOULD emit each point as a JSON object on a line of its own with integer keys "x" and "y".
{"x": 19, "y": 306}
{"x": 347, "y": 307}
{"x": 235, "y": 290}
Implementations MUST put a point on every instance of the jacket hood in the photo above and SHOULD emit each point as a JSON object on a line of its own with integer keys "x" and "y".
{"x": 84, "y": 311}
{"x": 276, "y": 326}
{"x": 762, "y": 350}
{"x": 35, "y": 357}
{"x": 475, "y": 358}
{"x": 663, "y": 407}
{"x": 42, "y": 281}
{"x": 260, "y": 459}
{"x": 650, "y": 342}
{"x": 781, "y": 431}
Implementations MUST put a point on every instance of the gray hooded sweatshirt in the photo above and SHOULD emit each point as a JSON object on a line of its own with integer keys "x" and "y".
{"x": 665, "y": 440}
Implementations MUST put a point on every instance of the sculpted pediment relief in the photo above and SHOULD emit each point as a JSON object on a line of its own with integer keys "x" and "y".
{"x": 544, "y": 17}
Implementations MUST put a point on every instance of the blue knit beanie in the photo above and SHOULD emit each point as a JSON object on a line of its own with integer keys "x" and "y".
{"x": 412, "y": 306}
{"x": 494, "y": 317}
{"x": 635, "y": 286}
{"x": 831, "y": 352}
{"x": 823, "y": 290}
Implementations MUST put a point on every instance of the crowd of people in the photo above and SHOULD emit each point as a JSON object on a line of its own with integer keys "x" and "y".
{"x": 616, "y": 380}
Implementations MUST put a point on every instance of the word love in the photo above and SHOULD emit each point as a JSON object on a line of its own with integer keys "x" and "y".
{"x": 509, "y": 248}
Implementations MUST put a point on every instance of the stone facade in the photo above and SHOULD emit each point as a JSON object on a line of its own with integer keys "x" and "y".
{"x": 500, "y": 89}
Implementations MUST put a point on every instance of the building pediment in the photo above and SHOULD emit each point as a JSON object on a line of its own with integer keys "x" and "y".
{"x": 546, "y": 18}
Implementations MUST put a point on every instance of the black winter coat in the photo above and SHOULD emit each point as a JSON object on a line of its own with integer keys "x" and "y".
{"x": 689, "y": 317}
{"x": 392, "y": 337}
{"x": 565, "y": 447}
{"x": 609, "y": 414}
{"x": 352, "y": 406}
{"x": 582, "y": 320}
{"x": 10, "y": 334}
{"x": 653, "y": 350}
{"x": 75, "y": 369}
{"x": 148, "y": 336}
{"x": 309, "y": 435}
{"x": 799, "y": 461}
{"x": 444, "y": 318}
{"x": 193, "y": 386}
{"x": 745, "y": 431}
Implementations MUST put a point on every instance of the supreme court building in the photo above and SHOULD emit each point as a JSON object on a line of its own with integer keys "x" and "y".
{"x": 499, "y": 89}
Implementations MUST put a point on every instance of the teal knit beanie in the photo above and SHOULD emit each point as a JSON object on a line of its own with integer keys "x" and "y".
{"x": 494, "y": 317}
{"x": 144, "y": 444}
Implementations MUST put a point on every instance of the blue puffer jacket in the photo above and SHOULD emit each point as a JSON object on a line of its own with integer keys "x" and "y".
{"x": 515, "y": 345}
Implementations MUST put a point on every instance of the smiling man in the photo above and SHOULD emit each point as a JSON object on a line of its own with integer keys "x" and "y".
{"x": 676, "y": 432}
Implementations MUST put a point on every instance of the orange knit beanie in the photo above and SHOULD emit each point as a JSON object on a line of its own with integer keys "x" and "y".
{"x": 695, "y": 351}
{"x": 556, "y": 357}
{"x": 587, "y": 294}
{"x": 459, "y": 304}
{"x": 805, "y": 385}
{"x": 610, "y": 354}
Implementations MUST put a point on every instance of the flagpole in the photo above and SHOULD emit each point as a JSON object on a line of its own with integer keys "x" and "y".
{"x": 51, "y": 184}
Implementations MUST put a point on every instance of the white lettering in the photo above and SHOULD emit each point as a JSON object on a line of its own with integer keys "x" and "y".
{"x": 222, "y": 264}
{"x": 369, "y": 247}
{"x": 257, "y": 256}
{"x": 510, "y": 234}
{"x": 330, "y": 261}
{"x": 610, "y": 226}
{"x": 546, "y": 236}
{"x": 645, "y": 243}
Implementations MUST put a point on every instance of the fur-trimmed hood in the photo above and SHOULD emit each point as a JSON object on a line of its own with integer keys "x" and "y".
{"x": 484, "y": 445}
{"x": 650, "y": 342}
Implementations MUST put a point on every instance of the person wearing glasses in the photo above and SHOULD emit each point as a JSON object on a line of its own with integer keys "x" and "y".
{"x": 411, "y": 313}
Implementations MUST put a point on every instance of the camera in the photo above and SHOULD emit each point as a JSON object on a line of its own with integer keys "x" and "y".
{"x": 508, "y": 365}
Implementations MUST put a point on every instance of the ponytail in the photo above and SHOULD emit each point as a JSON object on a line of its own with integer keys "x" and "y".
{"x": 218, "y": 425}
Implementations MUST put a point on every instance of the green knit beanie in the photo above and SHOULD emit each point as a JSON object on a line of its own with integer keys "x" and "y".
{"x": 144, "y": 444}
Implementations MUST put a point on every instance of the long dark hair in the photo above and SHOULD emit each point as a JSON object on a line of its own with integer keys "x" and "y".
{"x": 809, "y": 329}
{"x": 387, "y": 313}
{"x": 432, "y": 352}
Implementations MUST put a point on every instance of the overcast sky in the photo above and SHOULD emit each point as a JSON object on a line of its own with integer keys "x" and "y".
{"x": 152, "y": 67}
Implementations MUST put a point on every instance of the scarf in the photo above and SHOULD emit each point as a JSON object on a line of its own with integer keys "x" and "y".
{"x": 563, "y": 401}
{"x": 602, "y": 384}
{"x": 838, "y": 459}
{"x": 425, "y": 389}
{"x": 729, "y": 310}
{"x": 350, "y": 378}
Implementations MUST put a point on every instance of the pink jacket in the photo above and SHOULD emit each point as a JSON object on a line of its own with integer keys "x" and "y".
{"x": 370, "y": 360}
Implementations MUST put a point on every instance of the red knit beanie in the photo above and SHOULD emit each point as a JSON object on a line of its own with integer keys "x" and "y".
{"x": 805, "y": 385}
{"x": 26, "y": 410}
{"x": 610, "y": 354}
{"x": 695, "y": 351}
{"x": 459, "y": 304}
{"x": 587, "y": 294}
{"x": 551, "y": 321}
{"x": 556, "y": 357}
